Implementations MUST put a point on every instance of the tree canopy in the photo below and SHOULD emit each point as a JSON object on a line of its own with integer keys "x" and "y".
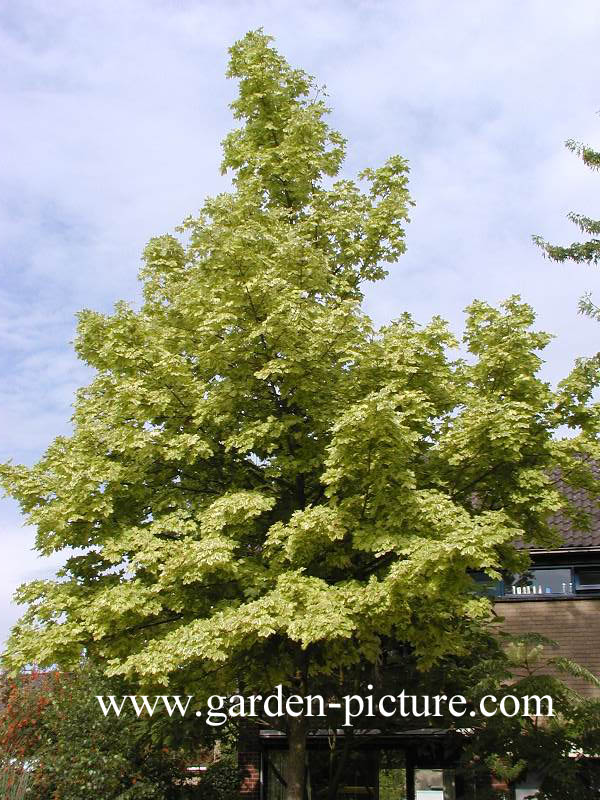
{"x": 260, "y": 485}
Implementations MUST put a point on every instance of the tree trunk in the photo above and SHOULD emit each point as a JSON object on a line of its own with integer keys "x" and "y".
{"x": 335, "y": 779}
{"x": 296, "y": 771}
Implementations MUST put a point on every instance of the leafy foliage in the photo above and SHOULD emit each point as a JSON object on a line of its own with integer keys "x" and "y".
{"x": 221, "y": 781}
{"x": 22, "y": 703}
{"x": 587, "y": 252}
{"x": 557, "y": 748}
{"x": 53, "y": 732}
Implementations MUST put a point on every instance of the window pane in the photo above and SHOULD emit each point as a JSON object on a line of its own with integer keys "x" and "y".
{"x": 487, "y": 585}
{"x": 543, "y": 581}
{"x": 527, "y": 787}
{"x": 587, "y": 577}
{"x": 434, "y": 784}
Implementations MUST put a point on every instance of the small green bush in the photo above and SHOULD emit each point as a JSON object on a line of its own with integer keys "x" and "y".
{"x": 221, "y": 781}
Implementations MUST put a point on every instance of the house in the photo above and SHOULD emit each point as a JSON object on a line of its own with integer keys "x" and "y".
{"x": 558, "y": 597}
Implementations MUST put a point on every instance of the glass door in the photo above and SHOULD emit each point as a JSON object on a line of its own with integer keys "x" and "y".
{"x": 355, "y": 772}
{"x": 362, "y": 774}
{"x": 275, "y": 763}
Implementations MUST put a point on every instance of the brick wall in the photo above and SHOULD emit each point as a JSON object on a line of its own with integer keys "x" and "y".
{"x": 574, "y": 624}
{"x": 249, "y": 762}
{"x": 249, "y": 766}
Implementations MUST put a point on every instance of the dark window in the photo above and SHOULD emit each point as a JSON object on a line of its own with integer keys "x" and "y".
{"x": 539, "y": 581}
{"x": 487, "y": 585}
{"x": 565, "y": 580}
{"x": 587, "y": 579}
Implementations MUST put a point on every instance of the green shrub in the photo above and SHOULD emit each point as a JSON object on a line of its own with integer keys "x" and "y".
{"x": 53, "y": 725}
{"x": 221, "y": 781}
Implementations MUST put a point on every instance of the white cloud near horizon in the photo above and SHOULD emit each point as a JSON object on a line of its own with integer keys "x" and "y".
{"x": 112, "y": 118}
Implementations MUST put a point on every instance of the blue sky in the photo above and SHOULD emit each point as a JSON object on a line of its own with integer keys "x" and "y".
{"x": 110, "y": 130}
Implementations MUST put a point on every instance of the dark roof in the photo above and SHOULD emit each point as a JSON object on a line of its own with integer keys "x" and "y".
{"x": 572, "y": 537}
